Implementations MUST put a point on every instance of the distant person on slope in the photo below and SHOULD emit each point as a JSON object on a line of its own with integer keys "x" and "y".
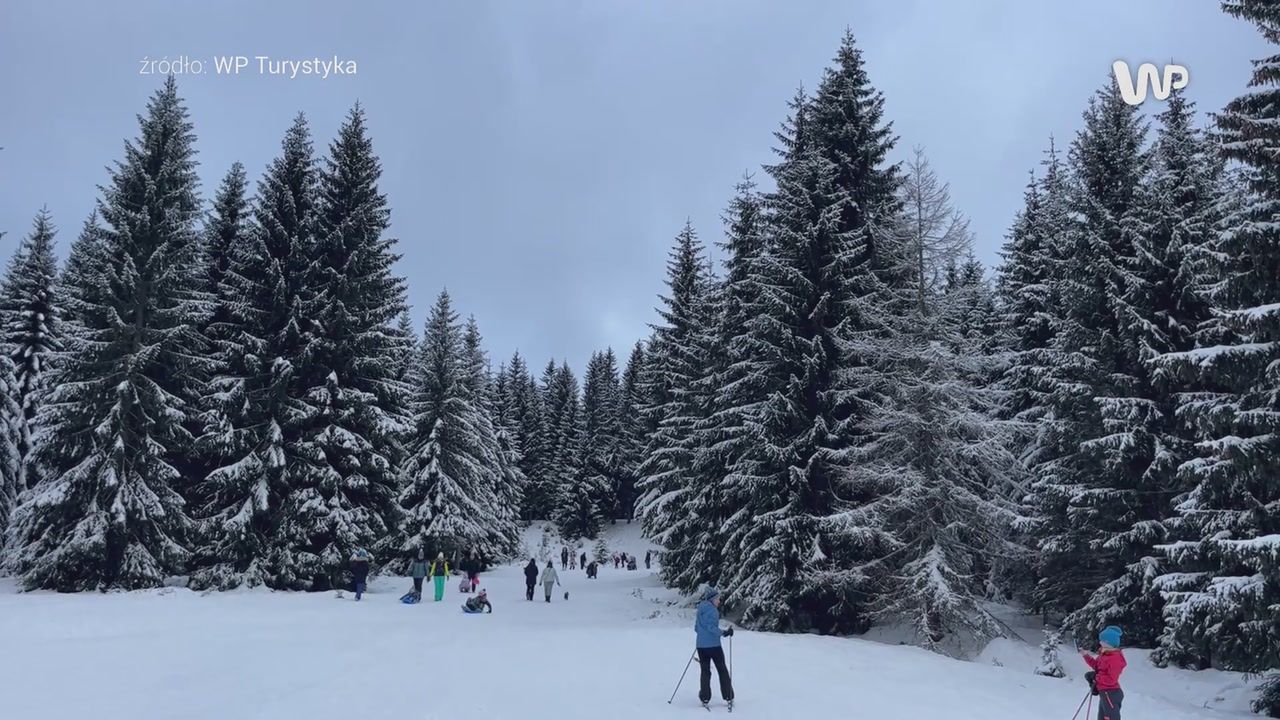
{"x": 471, "y": 566}
{"x": 591, "y": 570}
{"x": 530, "y": 578}
{"x": 359, "y": 570}
{"x": 707, "y": 628}
{"x": 646, "y": 559}
{"x": 564, "y": 558}
{"x": 1107, "y": 665}
{"x": 582, "y": 561}
{"x": 549, "y": 578}
{"x": 439, "y": 574}
{"x": 418, "y": 570}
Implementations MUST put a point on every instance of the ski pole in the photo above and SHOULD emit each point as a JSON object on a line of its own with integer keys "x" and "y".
{"x": 1088, "y": 696}
{"x": 686, "y": 672}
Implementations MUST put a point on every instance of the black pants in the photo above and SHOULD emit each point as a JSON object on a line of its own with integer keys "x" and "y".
{"x": 417, "y": 585}
{"x": 1109, "y": 702}
{"x": 706, "y": 656}
{"x": 528, "y": 590}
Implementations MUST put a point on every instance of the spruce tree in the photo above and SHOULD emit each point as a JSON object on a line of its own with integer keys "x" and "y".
{"x": 797, "y": 560}
{"x": 29, "y": 321}
{"x": 1085, "y": 493}
{"x": 1159, "y": 309}
{"x": 602, "y": 434}
{"x": 632, "y": 443}
{"x": 674, "y": 366}
{"x": 1223, "y": 584}
{"x": 354, "y": 405}
{"x": 448, "y": 504}
{"x": 258, "y": 502}
{"x": 506, "y": 482}
{"x": 106, "y": 512}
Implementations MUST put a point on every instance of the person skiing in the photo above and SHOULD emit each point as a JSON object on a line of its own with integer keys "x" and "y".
{"x": 478, "y": 603}
{"x": 530, "y": 578}
{"x": 646, "y": 559}
{"x": 549, "y": 578}
{"x": 439, "y": 574}
{"x": 418, "y": 569}
{"x": 564, "y": 558}
{"x": 359, "y": 570}
{"x": 1108, "y": 664}
{"x": 707, "y": 629}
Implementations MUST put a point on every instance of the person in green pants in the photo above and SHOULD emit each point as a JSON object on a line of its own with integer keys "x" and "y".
{"x": 439, "y": 574}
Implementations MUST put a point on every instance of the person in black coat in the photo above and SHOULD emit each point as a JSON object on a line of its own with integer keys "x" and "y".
{"x": 530, "y": 578}
{"x": 582, "y": 561}
{"x": 646, "y": 559}
{"x": 359, "y": 570}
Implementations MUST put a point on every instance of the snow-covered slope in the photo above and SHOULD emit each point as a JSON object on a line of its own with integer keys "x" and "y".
{"x": 615, "y": 649}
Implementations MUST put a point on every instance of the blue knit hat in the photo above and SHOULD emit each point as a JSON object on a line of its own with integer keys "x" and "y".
{"x": 1110, "y": 635}
{"x": 710, "y": 593}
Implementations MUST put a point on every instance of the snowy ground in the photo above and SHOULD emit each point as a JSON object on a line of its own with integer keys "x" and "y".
{"x": 615, "y": 650}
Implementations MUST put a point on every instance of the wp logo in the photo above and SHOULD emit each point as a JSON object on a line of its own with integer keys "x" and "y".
{"x": 1174, "y": 77}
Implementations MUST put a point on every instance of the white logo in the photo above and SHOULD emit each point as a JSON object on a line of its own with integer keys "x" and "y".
{"x": 1175, "y": 77}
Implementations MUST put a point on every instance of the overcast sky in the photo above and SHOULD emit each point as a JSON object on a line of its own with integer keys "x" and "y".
{"x": 540, "y": 156}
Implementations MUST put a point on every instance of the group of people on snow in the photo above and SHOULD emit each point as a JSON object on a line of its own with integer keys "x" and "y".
{"x": 1103, "y": 677}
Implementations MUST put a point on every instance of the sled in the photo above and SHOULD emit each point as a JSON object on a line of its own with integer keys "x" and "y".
{"x": 412, "y": 597}
{"x": 464, "y": 586}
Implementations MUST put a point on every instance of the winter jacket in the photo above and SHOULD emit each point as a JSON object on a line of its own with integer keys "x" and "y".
{"x": 360, "y": 570}
{"x": 531, "y": 572}
{"x": 707, "y": 625}
{"x": 418, "y": 569}
{"x": 470, "y": 566}
{"x": 474, "y": 604}
{"x": 1108, "y": 665}
{"x": 439, "y": 568}
{"x": 549, "y": 577}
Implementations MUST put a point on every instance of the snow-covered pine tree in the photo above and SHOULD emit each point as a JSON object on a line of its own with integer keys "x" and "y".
{"x": 530, "y": 433}
{"x": 794, "y": 559}
{"x": 505, "y": 479}
{"x": 355, "y": 415}
{"x": 674, "y": 365}
{"x": 29, "y": 321}
{"x": 728, "y": 393}
{"x": 448, "y": 505}
{"x": 933, "y": 456}
{"x": 11, "y": 459}
{"x": 407, "y": 344}
{"x": 1085, "y": 495}
{"x": 1159, "y": 310}
{"x": 1223, "y": 584}
{"x": 577, "y": 509}
{"x": 224, "y": 235}
{"x": 631, "y": 446}
{"x": 1029, "y": 294}
{"x": 113, "y": 431}
{"x": 257, "y": 504}
{"x": 602, "y": 431}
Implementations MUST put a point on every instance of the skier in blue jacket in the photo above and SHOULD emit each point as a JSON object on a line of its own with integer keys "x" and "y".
{"x": 707, "y": 628}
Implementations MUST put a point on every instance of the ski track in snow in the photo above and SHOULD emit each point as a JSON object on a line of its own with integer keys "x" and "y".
{"x": 615, "y": 649}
